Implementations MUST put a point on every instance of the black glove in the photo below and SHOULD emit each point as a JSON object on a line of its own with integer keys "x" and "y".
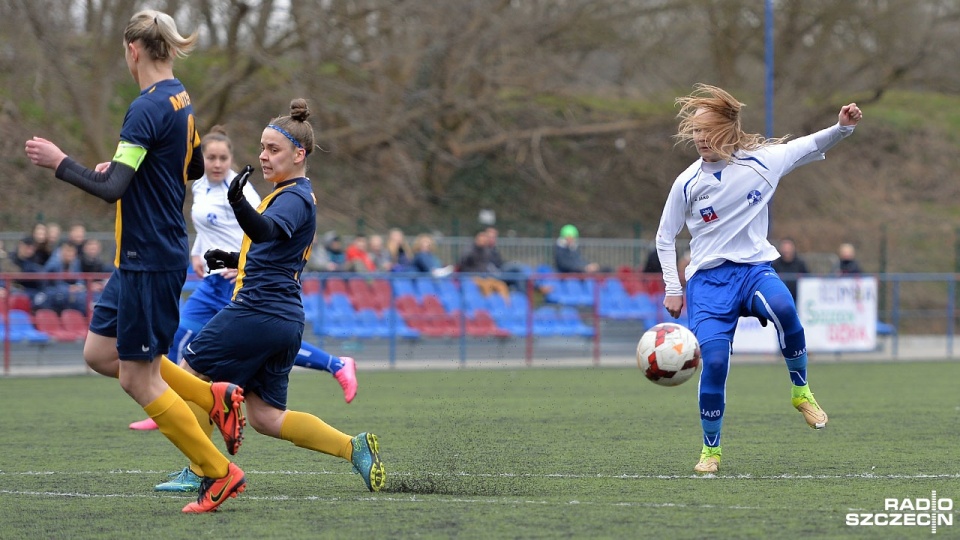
{"x": 763, "y": 321}
{"x": 218, "y": 258}
{"x": 235, "y": 191}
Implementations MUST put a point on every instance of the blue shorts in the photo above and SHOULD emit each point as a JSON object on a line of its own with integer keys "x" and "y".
{"x": 718, "y": 297}
{"x": 248, "y": 348}
{"x": 141, "y": 310}
{"x": 212, "y": 295}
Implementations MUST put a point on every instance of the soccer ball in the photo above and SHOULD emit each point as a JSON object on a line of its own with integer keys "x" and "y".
{"x": 668, "y": 354}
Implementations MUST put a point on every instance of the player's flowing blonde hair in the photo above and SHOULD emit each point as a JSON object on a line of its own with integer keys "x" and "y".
{"x": 724, "y": 131}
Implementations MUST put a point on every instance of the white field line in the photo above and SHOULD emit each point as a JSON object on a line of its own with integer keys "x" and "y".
{"x": 852, "y": 476}
{"x": 415, "y": 499}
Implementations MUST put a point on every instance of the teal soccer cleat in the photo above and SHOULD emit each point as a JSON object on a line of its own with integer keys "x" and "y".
{"x": 184, "y": 481}
{"x": 366, "y": 460}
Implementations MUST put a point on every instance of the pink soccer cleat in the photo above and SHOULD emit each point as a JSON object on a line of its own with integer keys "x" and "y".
{"x": 347, "y": 377}
{"x": 144, "y": 425}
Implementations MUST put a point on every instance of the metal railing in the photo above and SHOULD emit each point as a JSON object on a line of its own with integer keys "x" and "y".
{"x": 911, "y": 305}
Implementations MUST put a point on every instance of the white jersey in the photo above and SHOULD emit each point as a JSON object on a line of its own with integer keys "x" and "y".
{"x": 213, "y": 218}
{"x": 724, "y": 205}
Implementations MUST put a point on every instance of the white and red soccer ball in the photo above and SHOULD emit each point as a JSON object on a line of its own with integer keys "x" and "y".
{"x": 668, "y": 354}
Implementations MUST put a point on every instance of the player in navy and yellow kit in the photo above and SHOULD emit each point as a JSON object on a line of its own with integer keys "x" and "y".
{"x": 253, "y": 341}
{"x": 134, "y": 322}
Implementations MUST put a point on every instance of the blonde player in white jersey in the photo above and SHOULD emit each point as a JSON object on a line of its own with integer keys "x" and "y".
{"x": 722, "y": 199}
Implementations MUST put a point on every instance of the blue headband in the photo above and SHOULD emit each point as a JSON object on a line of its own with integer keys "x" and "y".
{"x": 286, "y": 134}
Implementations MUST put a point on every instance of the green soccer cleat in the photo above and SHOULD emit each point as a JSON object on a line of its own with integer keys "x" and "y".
{"x": 709, "y": 460}
{"x": 366, "y": 460}
{"x": 804, "y": 402}
{"x": 184, "y": 481}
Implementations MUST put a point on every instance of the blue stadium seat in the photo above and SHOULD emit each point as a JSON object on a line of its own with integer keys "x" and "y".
{"x": 571, "y": 324}
{"x": 402, "y": 286}
{"x": 394, "y": 322}
{"x": 545, "y": 321}
{"x": 22, "y": 329}
{"x": 425, "y": 286}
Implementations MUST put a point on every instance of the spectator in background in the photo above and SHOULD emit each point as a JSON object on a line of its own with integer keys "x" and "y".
{"x": 566, "y": 255}
{"x": 77, "y": 235}
{"x": 495, "y": 258}
{"x": 477, "y": 261}
{"x": 25, "y": 260}
{"x": 91, "y": 257}
{"x": 424, "y": 258}
{"x": 357, "y": 256}
{"x": 54, "y": 233}
{"x": 847, "y": 263}
{"x": 379, "y": 254}
{"x": 64, "y": 292}
{"x": 327, "y": 254}
{"x": 790, "y": 265}
{"x": 41, "y": 244}
{"x": 91, "y": 261}
{"x": 401, "y": 256}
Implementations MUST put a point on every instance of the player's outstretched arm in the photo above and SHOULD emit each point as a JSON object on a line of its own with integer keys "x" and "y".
{"x": 850, "y": 115}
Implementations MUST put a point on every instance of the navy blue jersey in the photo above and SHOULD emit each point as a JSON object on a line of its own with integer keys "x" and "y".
{"x": 151, "y": 231}
{"x": 269, "y": 278}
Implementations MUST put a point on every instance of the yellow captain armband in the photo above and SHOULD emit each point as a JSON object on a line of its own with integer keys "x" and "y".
{"x": 130, "y": 154}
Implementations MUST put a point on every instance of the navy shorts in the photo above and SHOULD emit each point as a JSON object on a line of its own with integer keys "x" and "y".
{"x": 248, "y": 348}
{"x": 141, "y": 310}
{"x": 718, "y": 297}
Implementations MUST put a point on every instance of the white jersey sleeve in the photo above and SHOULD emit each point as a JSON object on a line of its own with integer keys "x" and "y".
{"x": 213, "y": 217}
{"x": 672, "y": 221}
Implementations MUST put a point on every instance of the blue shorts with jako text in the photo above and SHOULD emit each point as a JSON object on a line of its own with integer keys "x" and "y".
{"x": 718, "y": 297}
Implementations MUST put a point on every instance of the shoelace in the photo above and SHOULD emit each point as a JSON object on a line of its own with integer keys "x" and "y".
{"x": 204, "y": 486}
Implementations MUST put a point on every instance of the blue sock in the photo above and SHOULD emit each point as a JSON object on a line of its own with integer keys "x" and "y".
{"x": 798, "y": 369}
{"x": 773, "y": 301}
{"x": 715, "y": 356}
{"x": 314, "y": 357}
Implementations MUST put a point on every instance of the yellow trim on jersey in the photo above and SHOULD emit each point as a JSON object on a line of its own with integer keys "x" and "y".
{"x": 130, "y": 154}
{"x": 117, "y": 232}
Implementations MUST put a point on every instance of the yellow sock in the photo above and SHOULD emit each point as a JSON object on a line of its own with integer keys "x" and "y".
{"x": 177, "y": 423}
{"x": 308, "y": 431}
{"x": 190, "y": 387}
{"x": 203, "y": 418}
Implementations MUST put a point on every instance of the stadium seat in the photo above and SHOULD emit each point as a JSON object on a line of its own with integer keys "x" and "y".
{"x": 425, "y": 286}
{"x": 335, "y": 285}
{"x": 545, "y": 321}
{"x": 48, "y": 322}
{"x": 382, "y": 292}
{"x": 370, "y": 325}
{"x": 404, "y": 286}
{"x": 21, "y": 302}
{"x": 570, "y": 324}
{"x": 483, "y": 325}
{"x": 340, "y": 303}
{"x": 75, "y": 323}
{"x": 395, "y": 323}
{"x": 22, "y": 329}
{"x": 310, "y": 286}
